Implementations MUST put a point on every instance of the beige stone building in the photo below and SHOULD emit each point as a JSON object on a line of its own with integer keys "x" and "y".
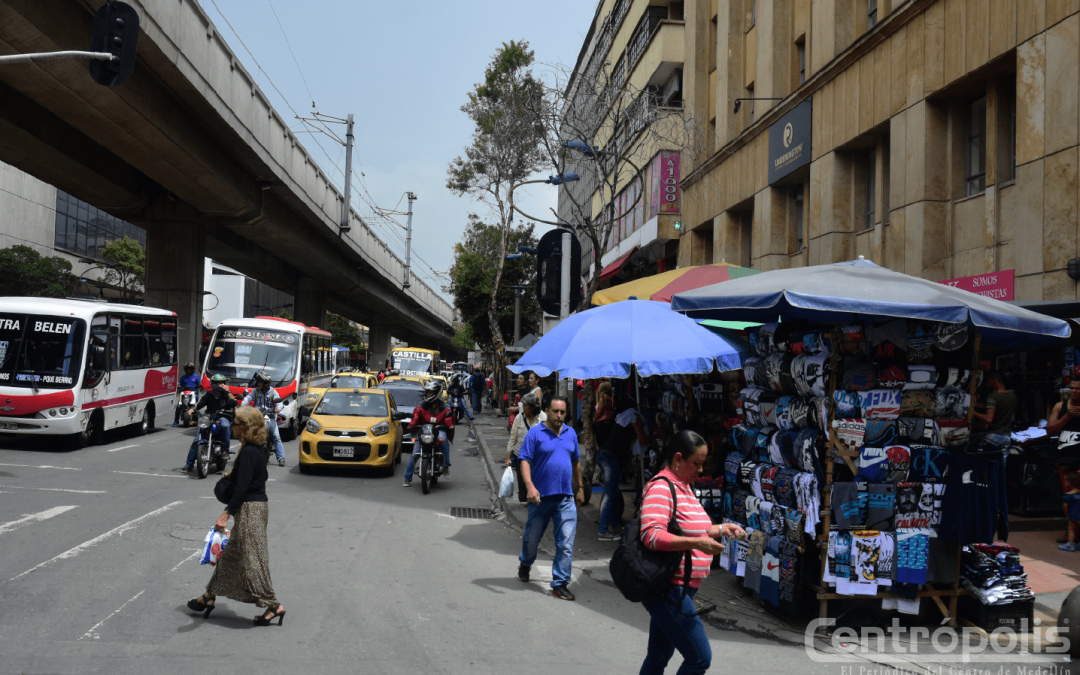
{"x": 942, "y": 136}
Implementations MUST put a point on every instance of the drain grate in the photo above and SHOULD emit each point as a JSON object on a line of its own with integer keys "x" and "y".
{"x": 469, "y": 512}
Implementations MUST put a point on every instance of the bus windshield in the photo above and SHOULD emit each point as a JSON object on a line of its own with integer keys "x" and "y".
{"x": 40, "y": 351}
{"x": 411, "y": 363}
{"x": 239, "y": 353}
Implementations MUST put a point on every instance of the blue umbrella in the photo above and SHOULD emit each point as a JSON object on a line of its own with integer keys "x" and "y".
{"x": 607, "y": 341}
{"x": 849, "y": 291}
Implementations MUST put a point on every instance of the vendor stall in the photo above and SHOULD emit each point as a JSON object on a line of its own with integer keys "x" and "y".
{"x": 855, "y": 434}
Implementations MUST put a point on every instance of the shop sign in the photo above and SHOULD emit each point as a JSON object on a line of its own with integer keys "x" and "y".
{"x": 789, "y": 142}
{"x": 996, "y": 285}
{"x": 665, "y": 178}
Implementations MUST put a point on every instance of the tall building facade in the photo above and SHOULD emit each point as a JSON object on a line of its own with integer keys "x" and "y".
{"x": 935, "y": 137}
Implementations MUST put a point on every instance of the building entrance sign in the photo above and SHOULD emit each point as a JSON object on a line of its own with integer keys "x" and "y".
{"x": 996, "y": 285}
{"x": 789, "y": 142}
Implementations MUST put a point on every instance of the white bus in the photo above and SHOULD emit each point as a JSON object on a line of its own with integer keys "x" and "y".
{"x": 297, "y": 358}
{"x": 79, "y": 368}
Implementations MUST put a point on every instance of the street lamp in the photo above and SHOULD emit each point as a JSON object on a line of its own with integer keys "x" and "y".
{"x": 738, "y": 101}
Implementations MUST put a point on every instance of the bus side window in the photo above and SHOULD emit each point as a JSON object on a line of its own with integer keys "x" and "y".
{"x": 155, "y": 350}
{"x": 134, "y": 347}
{"x": 115, "y": 330}
{"x": 168, "y": 343}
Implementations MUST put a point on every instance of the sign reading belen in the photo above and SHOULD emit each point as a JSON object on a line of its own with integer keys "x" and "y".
{"x": 789, "y": 142}
{"x": 996, "y": 285}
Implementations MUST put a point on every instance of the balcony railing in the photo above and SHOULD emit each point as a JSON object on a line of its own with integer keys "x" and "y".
{"x": 645, "y": 28}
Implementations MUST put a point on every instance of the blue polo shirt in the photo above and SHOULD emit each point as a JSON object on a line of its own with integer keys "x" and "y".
{"x": 551, "y": 459}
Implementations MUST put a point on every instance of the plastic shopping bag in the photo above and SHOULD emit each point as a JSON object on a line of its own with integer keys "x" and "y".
{"x": 213, "y": 546}
{"x": 506, "y": 485}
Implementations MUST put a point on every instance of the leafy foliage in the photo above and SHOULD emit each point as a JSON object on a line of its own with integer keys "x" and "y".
{"x": 463, "y": 337}
{"x": 472, "y": 282}
{"x": 344, "y": 333}
{"x": 128, "y": 271}
{"x": 25, "y": 272}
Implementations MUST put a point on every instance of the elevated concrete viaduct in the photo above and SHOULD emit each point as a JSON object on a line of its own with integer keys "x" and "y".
{"x": 190, "y": 149}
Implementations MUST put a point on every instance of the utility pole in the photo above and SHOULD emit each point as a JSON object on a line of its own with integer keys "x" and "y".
{"x": 564, "y": 288}
{"x": 408, "y": 241}
{"x": 345, "y": 227}
{"x": 517, "y": 314}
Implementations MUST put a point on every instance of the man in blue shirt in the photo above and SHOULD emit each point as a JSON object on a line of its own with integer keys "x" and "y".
{"x": 550, "y": 469}
{"x": 189, "y": 382}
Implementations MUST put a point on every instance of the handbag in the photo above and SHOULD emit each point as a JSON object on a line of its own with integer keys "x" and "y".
{"x": 641, "y": 573}
{"x": 224, "y": 488}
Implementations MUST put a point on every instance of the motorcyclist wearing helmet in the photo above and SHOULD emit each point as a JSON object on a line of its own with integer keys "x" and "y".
{"x": 457, "y": 393}
{"x": 219, "y": 398}
{"x": 266, "y": 399}
{"x": 188, "y": 382}
{"x": 432, "y": 410}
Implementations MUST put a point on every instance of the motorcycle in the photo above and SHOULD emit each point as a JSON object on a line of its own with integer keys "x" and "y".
{"x": 431, "y": 456}
{"x": 187, "y": 407}
{"x": 457, "y": 404}
{"x": 211, "y": 452}
{"x": 268, "y": 444}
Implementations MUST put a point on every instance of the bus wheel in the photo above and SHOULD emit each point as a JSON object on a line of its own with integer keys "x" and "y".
{"x": 144, "y": 424}
{"x": 93, "y": 433}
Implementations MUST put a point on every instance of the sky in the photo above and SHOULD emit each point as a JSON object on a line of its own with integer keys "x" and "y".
{"x": 403, "y": 69}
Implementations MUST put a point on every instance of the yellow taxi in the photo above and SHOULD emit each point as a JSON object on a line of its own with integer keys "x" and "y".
{"x": 344, "y": 379}
{"x": 356, "y": 427}
{"x": 420, "y": 381}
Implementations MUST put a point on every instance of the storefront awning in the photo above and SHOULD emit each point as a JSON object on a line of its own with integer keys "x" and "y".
{"x": 613, "y": 269}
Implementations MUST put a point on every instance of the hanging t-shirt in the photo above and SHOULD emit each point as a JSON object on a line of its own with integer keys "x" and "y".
{"x": 769, "y": 586}
{"x": 738, "y": 507}
{"x": 751, "y": 405}
{"x": 857, "y": 374}
{"x": 899, "y": 458}
{"x": 873, "y": 465}
{"x": 953, "y": 432}
{"x": 950, "y": 336}
{"x": 847, "y": 511}
{"x": 785, "y": 488}
{"x": 850, "y": 432}
{"x": 787, "y": 380}
{"x": 756, "y": 541}
{"x": 974, "y": 505}
{"x": 865, "y": 553}
{"x": 805, "y": 448}
{"x": 880, "y": 433}
{"x": 761, "y": 444}
{"x": 793, "y": 525}
{"x": 917, "y": 430}
{"x": 909, "y": 506}
{"x": 755, "y": 486}
{"x": 808, "y": 498}
{"x": 753, "y": 515}
{"x": 950, "y": 402}
{"x": 799, "y": 412}
{"x": 765, "y": 510}
{"x": 888, "y": 341}
{"x": 953, "y": 377}
{"x": 839, "y": 556}
{"x": 918, "y": 403}
{"x": 798, "y": 376}
{"x": 731, "y": 466}
{"x": 777, "y": 520}
{"x": 881, "y": 499}
{"x": 920, "y": 377}
{"x": 776, "y": 455}
{"x": 848, "y": 404}
{"x": 881, "y": 404}
{"x": 815, "y": 374}
{"x": 783, "y": 413}
{"x": 774, "y": 365}
{"x": 911, "y": 554}
{"x": 921, "y": 336}
{"x": 788, "y": 577}
{"x": 929, "y": 463}
{"x": 892, "y": 377}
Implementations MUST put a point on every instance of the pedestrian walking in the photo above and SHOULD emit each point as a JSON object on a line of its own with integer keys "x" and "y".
{"x": 550, "y": 468}
{"x": 674, "y": 622}
{"x": 615, "y": 451}
{"x": 243, "y": 570}
{"x": 523, "y": 423}
{"x": 476, "y": 390}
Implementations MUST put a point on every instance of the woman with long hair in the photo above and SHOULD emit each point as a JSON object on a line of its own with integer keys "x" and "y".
{"x": 243, "y": 570}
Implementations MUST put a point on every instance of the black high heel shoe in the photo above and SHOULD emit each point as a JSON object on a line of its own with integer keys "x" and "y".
{"x": 264, "y": 621}
{"x": 200, "y": 604}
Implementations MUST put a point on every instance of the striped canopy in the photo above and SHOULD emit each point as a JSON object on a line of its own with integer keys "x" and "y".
{"x": 662, "y": 286}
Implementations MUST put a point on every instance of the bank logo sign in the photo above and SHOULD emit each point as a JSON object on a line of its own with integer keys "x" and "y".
{"x": 789, "y": 142}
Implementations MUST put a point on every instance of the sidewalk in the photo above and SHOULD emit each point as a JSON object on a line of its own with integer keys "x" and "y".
{"x": 1052, "y": 574}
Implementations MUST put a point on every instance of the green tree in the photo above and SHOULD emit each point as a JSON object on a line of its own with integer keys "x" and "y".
{"x": 344, "y": 333}
{"x": 503, "y": 151}
{"x": 463, "y": 337}
{"x": 128, "y": 266}
{"x": 287, "y": 315}
{"x": 472, "y": 282}
{"x": 25, "y": 272}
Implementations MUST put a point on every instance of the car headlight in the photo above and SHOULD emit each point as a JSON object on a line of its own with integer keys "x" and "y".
{"x": 313, "y": 426}
{"x": 380, "y": 429}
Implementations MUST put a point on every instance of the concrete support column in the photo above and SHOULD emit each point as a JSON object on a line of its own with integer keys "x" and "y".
{"x": 378, "y": 345}
{"x": 174, "y": 280}
{"x": 310, "y": 303}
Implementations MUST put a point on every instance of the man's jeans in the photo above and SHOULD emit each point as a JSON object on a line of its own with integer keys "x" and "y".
{"x": 671, "y": 629}
{"x": 476, "y": 396}
{"x": 224, "y": 434}
{"x": 416, "y": 453}
{"x": 460, "y": 400}
{"x": 275, "y": 435}
{"x": 563, "y": 511}
{"x": 612, "y": 505}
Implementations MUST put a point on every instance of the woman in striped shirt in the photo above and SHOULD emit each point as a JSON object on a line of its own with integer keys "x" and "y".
{"x": 674, "y": 622}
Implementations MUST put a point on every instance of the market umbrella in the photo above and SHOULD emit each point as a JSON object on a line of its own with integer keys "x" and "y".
{"x": 608, "y": 341}
{"x": 661, "y": 287}
{"x": 848, "y": 291}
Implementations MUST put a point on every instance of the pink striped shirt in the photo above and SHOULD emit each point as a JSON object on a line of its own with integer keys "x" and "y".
{"x": 689, "y": 514}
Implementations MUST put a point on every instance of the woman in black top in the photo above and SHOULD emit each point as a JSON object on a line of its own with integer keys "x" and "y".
{"x": 243, "y": 570}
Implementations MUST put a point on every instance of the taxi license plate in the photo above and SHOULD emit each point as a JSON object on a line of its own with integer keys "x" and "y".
{"x": 340, "y": 451}
{"x": 9, "y": 426}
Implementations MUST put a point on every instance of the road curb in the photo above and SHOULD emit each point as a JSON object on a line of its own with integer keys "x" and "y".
{"x": 499, "y": 510}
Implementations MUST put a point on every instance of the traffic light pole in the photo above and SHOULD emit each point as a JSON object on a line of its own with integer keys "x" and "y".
{"x": 564, "y": 286}
{"x": 345, "y": 227}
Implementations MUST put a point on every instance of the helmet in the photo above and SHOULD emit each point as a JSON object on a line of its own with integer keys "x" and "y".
{"x": 219, "y": 380}
{"x": 432, "y": 390}
{"x": 261, "y": 378}
{"x": 189, "y": 366}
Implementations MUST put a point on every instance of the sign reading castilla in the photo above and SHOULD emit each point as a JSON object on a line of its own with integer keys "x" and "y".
{"x": 789, "y": 142}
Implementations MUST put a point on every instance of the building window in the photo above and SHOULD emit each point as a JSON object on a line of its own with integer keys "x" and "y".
{"x": 801, "y": 48}
{"x": 976, "y": 147}
{"x": 752, "y": 15}
{"x": 871, "y": 189}
{"x": 871, "y": 14}
{"x": 797, "y": 212}
{"x": 84, "y": 230}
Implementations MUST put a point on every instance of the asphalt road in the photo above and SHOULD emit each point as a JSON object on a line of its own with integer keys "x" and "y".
{"x": 97, "y": 561}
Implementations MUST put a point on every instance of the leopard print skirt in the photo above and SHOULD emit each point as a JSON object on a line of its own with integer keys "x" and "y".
{"x": 243, "y": 570}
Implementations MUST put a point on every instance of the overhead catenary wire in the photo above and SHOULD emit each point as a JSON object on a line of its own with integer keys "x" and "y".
{"x": 289, "y": 45}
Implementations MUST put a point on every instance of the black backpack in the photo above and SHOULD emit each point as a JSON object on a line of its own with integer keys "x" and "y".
{"x": 641, "y": 573}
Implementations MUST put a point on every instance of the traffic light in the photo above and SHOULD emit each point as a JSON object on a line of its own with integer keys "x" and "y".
{"x": 549, "y": 257}
{"x": 116, "y": 32}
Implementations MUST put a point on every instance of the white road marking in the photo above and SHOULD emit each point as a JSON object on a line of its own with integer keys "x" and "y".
{"x": 90, "y": 633}
{"x": 196, "y": 553}
{"x": 81, "y": 492}
{"x": 160, "y": 475}
{"x": 43, "y": 466}
{"x": 123, "y": 447}
{"x": 445, "y": 515}
{"x": 35, "y": 518}
{"x": 71, "y": 553}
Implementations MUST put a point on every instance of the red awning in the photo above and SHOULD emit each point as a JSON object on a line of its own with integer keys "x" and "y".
{"x": 613, "y": 269}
